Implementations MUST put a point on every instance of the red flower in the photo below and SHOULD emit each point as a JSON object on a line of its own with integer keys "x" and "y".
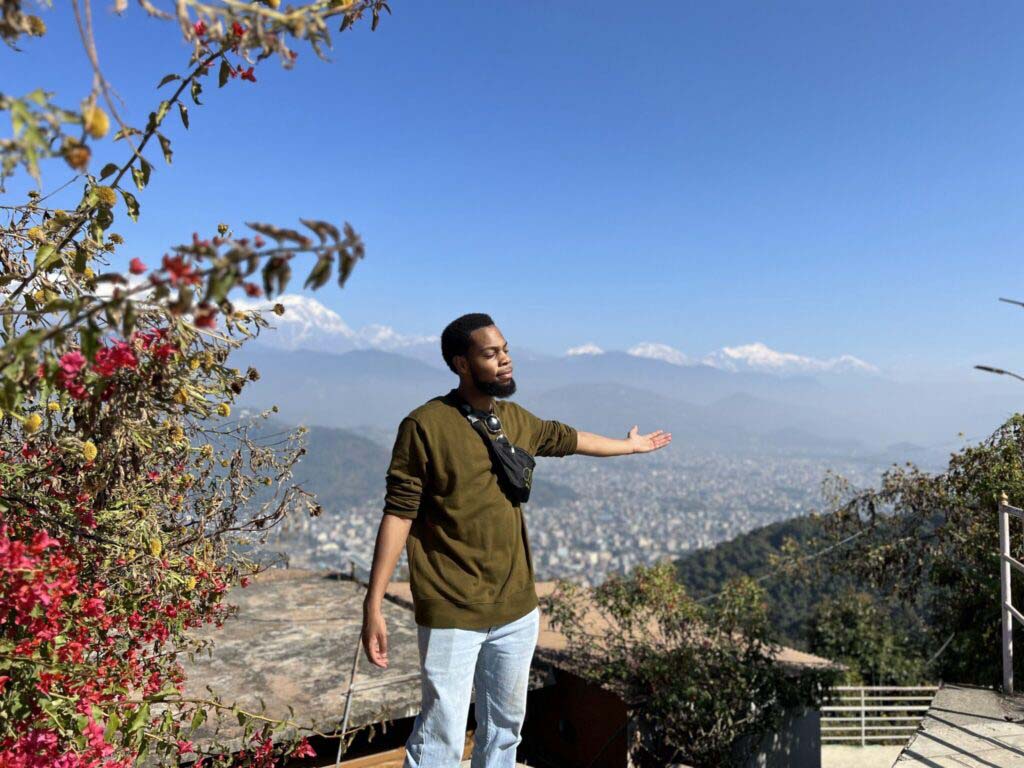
{"x": 237, "y": 29}
{"x": 205, "y": 316}
{"x": 251, "y": 289}
{"x": 199, "y": 28}
{"x": 136, "y": 267}
{"x": 303, "y": 750}
{"x": 72, "y": 362}
{"x": 71, "y": 365}
{"x": 247, "y": 74}
{"x": 153, "y": 475}
{"x": 93, "y": 607}
{"x": 180, "y": 272}
{"x": 109, "y": 360}
{"x": 258, "y": 241}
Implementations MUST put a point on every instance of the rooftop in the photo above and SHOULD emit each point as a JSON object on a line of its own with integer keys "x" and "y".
{"x": 297, "y": 637}
{"x": 968, "y": 726}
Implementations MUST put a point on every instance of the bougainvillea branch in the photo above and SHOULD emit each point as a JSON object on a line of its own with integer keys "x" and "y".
{"x": 128, "y": 493}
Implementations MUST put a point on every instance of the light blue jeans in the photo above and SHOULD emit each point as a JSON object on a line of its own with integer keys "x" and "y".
{"x": 497, "y": 662}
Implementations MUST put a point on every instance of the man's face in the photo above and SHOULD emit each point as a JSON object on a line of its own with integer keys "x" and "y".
{"x": 488, "y": 362}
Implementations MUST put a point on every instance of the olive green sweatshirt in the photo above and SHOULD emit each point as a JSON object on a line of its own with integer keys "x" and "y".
{"x": 469, "y": 556}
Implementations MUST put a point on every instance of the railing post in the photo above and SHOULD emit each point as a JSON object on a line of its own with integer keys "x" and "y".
{"x": 863, "y": 719}
{"x": 1004, "y": 573}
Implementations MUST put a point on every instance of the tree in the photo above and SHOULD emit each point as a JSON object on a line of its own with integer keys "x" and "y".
{"x": 695, "y": 678}
{"x": 856, "y": 630}
{"x": 932, "y": 543}
{"x": 126, "y": 491}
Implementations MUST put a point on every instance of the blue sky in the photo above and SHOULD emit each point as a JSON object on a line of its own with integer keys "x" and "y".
{"x": 825, "y": 178}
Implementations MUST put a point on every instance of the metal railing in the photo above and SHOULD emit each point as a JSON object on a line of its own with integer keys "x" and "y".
{"x": 872, "y": 714}
{"x": 1006, "y": 563}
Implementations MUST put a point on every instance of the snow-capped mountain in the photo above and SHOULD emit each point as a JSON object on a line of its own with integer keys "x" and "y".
{"x": 657, "y": 351}
{"x": 584, "y": 349}
{"x": 308, "y": 324}
{"x": 760, "y": 357}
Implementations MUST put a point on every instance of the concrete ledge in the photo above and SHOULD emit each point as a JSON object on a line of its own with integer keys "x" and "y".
{"x": 968, "y": 726}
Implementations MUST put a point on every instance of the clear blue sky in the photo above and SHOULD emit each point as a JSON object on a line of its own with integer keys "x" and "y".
{"x": 824, "y": 177}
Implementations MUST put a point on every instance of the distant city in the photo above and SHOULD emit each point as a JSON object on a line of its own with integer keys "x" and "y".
{"x": 626, "y": 511}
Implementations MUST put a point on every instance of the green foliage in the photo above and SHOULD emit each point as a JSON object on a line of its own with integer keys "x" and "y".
{"x": 856, "y": 629}
{"x": 932, "y": 543}
{"x": 698, "y": 680}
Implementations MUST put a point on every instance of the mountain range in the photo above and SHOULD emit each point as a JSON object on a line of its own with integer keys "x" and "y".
{"x": 367, "y": 380}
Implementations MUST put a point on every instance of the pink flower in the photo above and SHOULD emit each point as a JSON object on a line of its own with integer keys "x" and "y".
{"x": 303, "y": 750}
{"x": 109, "y": 360}
{"x": 93, "y": 607}
{"x": 199, "y": 28}
{"x": 136, "y": 267}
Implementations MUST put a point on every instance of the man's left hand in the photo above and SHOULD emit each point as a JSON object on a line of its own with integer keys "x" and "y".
{"x": 649, "y": 442}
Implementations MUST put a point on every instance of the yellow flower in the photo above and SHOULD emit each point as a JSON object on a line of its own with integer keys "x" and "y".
{"x": 177, "y": 434}
{"x": 193, "y": 363}
{"x": 181, "y": 396}
{"x": 88, "y": 273}
{"x": 265, "y": 480}
{"x": 33, "y": 422}
{"x": 53, "y": 406}
{"x": 190, "y": 582}
{"x": 35, "y": 25}
{"x": 95, "y": 121}
{"x": 131, "y": 553}
{"x": 89, "y": 450}
{"x": 106, "y": 196}
{"x": 206, "y": 450}
{"x": 37, "y": 234}
{"x": 39, "y": 296}
{"x": 208, "y": 360}
{"x": 155, "y": 547}
{"x": 224, "y": 409}
{"x": 224, "y": 462}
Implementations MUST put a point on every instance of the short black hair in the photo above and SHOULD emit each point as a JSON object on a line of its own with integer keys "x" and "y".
{"x": 455, "y": 337}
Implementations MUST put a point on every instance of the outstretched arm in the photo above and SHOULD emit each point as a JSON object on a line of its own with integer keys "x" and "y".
{"x": 591, "y": 444}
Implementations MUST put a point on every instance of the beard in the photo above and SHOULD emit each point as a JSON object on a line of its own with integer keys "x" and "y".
{"x": 494, "y": 388}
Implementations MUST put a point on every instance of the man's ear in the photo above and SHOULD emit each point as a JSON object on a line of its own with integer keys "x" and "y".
{"x": 460, "y": 364}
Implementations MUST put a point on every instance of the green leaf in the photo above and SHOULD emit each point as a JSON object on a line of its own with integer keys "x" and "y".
{"x": 113, "y": 723}
{"x": 161, "y": 111}
{"x": 183, "y": 111}
{"x": 165, "y": 146}
{"x": 131, "y": 203}
{"x": 128, "y": 321}
{"x": 197, "y": 88}
{"x": 108, "y": 169}
{"x": 225, "y": 72}
{"x": 45, "y": 256}
{"x": 138, "y": 177}
{"x": 138, "y": 719}
{"x": 198, "y": 718}
{"x": 167, "y": 79}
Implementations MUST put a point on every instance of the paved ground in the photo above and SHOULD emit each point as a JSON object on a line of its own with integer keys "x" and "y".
{"x": 874, "y": 756}
{"x": 968, "y": 726}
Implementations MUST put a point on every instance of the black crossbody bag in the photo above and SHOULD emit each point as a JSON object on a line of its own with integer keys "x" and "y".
{"x": 511, "y": 462}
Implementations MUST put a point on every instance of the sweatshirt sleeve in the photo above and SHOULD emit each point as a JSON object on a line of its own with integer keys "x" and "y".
{"x": 407, "y": 472}
{"x": 549, "y": 437}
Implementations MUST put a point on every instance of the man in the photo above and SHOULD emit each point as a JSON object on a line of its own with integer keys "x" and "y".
{"x": 470, "y": 567}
